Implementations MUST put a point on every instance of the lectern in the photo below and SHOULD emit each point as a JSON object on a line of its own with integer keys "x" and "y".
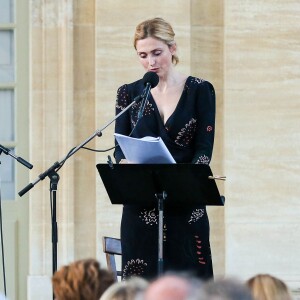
{"x": 162, "y": 185}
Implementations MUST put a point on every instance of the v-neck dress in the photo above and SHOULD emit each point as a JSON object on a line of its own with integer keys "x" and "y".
{"x": 189, "y": 135}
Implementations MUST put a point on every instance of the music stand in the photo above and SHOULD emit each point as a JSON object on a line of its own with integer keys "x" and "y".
{"x": 151, "y": 184}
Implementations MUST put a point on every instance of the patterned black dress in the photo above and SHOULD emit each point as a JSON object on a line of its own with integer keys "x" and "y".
{"x": 189, "y": 136}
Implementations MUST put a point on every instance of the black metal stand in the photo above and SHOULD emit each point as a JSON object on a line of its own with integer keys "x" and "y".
{"x": 150, "y": 184}
{"x": 54, "y": 178}
{"x": 59, "y": 164}
{"x": 29, "y": 166}
{"x": 1, "y": 233}
{"x": 161, "y": 197}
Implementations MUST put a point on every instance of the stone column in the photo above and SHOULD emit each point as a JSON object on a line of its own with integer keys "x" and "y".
{"x": 262, "y": 54}
{"x": 207, "y": 40}
{"x": 61, "y": 117}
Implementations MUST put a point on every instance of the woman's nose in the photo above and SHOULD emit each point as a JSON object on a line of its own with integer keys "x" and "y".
{"x": 151, "y": 60}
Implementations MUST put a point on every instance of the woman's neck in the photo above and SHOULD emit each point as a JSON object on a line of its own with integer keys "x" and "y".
{"x": 171, "y": 81}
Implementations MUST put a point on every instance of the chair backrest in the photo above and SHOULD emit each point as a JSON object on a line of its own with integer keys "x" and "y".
{"x": 112, "y": 247}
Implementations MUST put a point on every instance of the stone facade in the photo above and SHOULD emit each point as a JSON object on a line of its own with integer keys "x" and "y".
{"x": 81, "y": 52}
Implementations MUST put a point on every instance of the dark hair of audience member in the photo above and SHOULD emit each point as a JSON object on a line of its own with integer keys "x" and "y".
{"x": 81, "y": 280}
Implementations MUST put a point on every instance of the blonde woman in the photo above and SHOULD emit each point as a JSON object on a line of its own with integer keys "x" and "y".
{"x": 180, "y": 110}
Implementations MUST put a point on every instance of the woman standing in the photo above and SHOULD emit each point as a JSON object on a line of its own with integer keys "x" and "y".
{"x": 181, "y": 110}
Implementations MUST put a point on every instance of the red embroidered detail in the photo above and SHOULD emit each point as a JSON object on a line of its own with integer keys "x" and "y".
{"x": 199, "y": 253}
{"x": 209, "y": 128}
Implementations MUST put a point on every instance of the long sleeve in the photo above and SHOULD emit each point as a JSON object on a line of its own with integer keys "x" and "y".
{"x": 206, "y": 110}
{"x": 122, "y": 124}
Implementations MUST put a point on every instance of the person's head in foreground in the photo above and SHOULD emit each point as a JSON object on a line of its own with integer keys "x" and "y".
{"x": 267, "y": 287}
{"x": 81, "y": 280}
{"x": 172, "y": 287}
{"x": 125, "y": 290}
{"x": 223, "y": 289}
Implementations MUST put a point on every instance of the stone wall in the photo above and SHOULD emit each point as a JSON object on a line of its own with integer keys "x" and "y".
{"x": 81, "y": 52}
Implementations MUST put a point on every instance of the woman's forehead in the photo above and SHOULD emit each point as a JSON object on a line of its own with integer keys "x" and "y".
{"x": 149, "y": 44}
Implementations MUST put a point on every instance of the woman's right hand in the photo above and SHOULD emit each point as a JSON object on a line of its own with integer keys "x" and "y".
{"x": 123, "y": 161}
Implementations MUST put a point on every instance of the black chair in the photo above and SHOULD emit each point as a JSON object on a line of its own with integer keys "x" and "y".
{"x": 112, "y": 247}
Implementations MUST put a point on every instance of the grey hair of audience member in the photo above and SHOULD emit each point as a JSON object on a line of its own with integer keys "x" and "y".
{"x": 173, "y": 285}
{"x": 223, "y": 289}
{"x": 126, "y": 290}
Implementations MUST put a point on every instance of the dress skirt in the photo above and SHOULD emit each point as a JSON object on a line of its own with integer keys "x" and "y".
{"x": 186, "y": 245}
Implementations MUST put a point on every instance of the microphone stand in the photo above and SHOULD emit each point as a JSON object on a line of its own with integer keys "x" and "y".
{"x": 2, "y": 246}
{"x": 29, "y": 166}
{"x": 54, "y": 178}
{"x": 57, "y": 164}
{"x": 144, "y": 96}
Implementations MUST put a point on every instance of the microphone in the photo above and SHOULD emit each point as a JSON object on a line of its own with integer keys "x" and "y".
{"x": 150, "y": 80}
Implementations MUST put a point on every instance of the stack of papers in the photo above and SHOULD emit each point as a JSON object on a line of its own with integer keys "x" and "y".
{"x": 147, "y": 150}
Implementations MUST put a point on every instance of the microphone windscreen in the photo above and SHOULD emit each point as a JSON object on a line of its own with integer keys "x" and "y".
{"x": 151, "y": 78}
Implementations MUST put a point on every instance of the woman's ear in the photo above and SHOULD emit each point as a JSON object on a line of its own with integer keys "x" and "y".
{"x": 173, "y": 49}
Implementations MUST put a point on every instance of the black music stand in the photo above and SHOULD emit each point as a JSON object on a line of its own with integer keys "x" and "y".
{"x": 151, "y": 184}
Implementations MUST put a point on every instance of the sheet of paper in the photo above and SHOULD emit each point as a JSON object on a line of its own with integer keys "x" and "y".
{"x": 147, "y": 150}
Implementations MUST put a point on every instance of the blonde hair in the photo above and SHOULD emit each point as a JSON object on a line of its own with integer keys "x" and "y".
{"x": 267, "y": 287}
{"x": 159, "y": 29}
{"x": 81, "y": 280}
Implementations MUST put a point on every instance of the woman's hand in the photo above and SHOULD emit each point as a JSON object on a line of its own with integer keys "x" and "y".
{"x": 123, "y": 161}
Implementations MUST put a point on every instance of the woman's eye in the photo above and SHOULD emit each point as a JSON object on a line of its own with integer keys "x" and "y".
{"x": 157, "y": 53}
{"x": 142, "y": 55}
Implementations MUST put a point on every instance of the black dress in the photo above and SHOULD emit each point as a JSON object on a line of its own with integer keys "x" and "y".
{"x": 189, "y": 136}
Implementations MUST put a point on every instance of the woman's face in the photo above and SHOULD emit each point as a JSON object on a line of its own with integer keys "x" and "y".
{"x": 155, "y": 55}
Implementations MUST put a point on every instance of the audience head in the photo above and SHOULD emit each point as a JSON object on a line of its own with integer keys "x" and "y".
{"x": 267, "y": 287}
{"x": 172, "y": 287}
{"x": 223, "y": 289}
{"x": 80, "y": 280}
{"x": 125, "y": 290}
